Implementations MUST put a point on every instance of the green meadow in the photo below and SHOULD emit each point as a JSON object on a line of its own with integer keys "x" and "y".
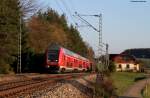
{"x": 122, "y": 80}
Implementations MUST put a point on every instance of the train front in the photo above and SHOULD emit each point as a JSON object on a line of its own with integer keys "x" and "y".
{"x": 52, "y": 58}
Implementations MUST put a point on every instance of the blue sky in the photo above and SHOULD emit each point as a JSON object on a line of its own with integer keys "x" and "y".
{"x": 125, "y": 24}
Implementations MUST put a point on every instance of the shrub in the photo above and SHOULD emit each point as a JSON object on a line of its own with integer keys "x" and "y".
{"x": 139, "y": 78}
{"x": 4, "y": 68}
{"x": 105, "y": 89}
{"x": 112, "y": 67}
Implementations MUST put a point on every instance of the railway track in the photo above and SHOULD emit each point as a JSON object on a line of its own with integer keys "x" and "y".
{"x": 25, "y": 86}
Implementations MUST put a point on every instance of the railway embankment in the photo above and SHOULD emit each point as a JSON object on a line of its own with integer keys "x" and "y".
{"x": 59, "y": 86}
{"x": 74, "y": 88}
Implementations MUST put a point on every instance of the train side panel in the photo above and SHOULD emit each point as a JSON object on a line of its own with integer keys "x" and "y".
{"x": 64, "y": 60}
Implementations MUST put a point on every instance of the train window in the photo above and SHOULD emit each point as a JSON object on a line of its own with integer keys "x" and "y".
{"x": 70, "y": 64}
{"x": 84, "y": 63}
{"x": 53, "y": 55}
{"x": 67, "y": 64}
{"x": 80, "y": 66}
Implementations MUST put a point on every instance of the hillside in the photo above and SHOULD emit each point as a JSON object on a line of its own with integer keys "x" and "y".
{"x": 141, "y": 54}
{"x": 138, "y": 52}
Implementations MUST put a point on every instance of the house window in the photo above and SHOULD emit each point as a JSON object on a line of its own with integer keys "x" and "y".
{"x": 119, "y": 66}
{"x": 128, "y": 66}
{"x": 135, "y": 68}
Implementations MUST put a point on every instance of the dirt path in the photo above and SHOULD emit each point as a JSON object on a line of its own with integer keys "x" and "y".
{"x": 135, "y": 90}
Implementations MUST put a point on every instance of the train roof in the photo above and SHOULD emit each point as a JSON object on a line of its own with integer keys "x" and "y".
{"x": 66, "y": 51}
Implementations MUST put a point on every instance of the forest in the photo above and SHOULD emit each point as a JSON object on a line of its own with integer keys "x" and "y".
{"x": 37, "y": 32}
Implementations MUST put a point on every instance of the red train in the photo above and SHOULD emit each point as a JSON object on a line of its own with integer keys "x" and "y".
{"x": 63, "y": 60}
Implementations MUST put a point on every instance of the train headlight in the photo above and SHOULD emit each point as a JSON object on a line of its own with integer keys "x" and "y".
{"x": 56, "y": 60}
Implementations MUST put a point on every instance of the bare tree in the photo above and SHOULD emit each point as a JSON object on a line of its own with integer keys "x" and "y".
{"x": 28, "y": 7}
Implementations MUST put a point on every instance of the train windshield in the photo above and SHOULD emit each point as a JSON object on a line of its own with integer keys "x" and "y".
{"x": 53, "y": 55}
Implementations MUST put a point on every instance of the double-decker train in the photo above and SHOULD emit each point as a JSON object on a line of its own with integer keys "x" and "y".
{"x": 60, "y": 59}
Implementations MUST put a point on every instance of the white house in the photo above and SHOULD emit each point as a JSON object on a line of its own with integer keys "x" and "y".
{"x": 126, "y": 63}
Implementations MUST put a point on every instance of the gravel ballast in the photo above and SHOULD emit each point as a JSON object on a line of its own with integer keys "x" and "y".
{"x": 81, "y": 87}
{"x": 75, "y": 88}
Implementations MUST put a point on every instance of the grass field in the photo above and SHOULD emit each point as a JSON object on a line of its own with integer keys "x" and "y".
{"x": 122, "y": 80}
{"x": 146, "y": 92}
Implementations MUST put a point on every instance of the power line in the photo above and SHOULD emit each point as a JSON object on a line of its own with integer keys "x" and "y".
{"x": 81, "y": 21}
{"x": 72, "y": 6}
{"x": 94, "y": 28}
{"x": 86, "y": 22}
{"x": 68, "y": 10}
{"x": 57, "y": 3}
{"x": 138, "y": 1}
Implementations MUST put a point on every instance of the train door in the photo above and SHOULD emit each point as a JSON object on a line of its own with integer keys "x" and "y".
{"x": 80, "y": 64}
{"x": 71, "y": 62}
{"x": 68, "y": 62}
{"x": 83, "y": 64}
{"x": 64, "y": 60}
{"x": 75, "y": 63}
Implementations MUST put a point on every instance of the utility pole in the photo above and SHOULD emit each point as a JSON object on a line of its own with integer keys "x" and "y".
{"x": 100, "y": 63}
{"x": 106, "y": 60}
{"x": 100, "y": 66}
{"x": 107, "y": 56}
{"x": 19, "y": 46}
{"x": 100, "y": 46}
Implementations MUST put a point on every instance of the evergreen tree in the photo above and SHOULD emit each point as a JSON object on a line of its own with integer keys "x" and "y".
{"x": 9, "y": 28}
